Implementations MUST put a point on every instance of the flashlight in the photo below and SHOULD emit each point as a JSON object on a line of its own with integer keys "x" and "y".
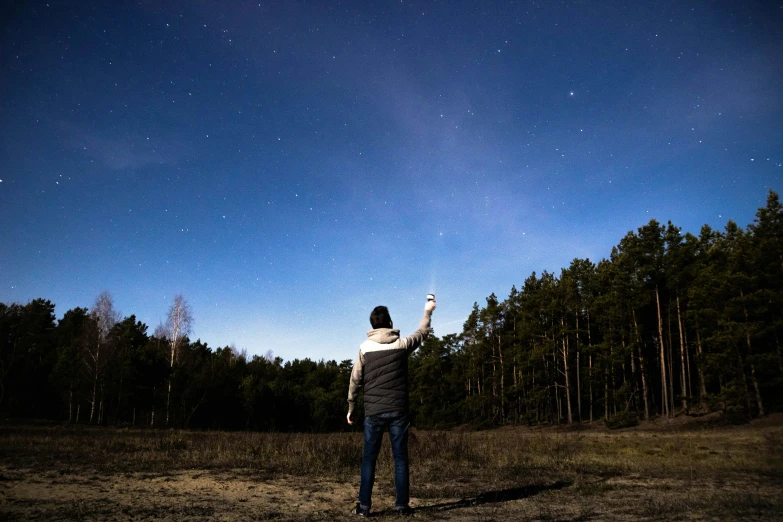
{"x": 430, "y": 297}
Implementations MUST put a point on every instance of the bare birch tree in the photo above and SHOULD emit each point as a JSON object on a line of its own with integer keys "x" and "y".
{"x": 179, "y": 323}
{"x": 98, "y": 346}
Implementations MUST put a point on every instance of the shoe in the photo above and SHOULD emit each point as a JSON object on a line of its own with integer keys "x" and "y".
{"x": 359, "y": 511}
{"x": 405, "y": 511}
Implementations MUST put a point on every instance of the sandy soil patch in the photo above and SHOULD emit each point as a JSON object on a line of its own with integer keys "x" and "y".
{"x": 224, "y": 495}
{"x": 238, "y": 495}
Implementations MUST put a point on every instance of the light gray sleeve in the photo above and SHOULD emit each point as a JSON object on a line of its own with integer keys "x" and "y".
{"x": 357, "y": 379}
{"x": 415, "y": 339}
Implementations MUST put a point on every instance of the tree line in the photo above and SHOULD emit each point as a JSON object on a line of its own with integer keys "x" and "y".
{"x": 93, "y": 367}
{"x": 669, "y": 324}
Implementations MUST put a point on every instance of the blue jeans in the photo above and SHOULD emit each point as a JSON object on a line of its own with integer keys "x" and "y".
{"x": 398, "y": 425}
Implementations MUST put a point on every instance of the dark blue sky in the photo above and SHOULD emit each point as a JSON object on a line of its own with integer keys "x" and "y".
{"x": 287, "y": 166}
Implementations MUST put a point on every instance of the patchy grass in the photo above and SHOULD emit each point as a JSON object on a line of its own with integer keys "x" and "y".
{"x": 648, "y": 472}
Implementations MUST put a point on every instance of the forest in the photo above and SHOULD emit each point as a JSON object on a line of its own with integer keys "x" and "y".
{"x": 669, "y": 324}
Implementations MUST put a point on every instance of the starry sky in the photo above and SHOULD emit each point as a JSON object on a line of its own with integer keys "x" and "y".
{"x": 287, "y": 166}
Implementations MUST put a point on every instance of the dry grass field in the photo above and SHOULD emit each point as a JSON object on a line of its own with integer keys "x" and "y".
{"x": 680, "y": 470}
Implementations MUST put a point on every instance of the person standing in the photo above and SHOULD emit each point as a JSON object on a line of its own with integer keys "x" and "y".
{"x": 381, "y": 369}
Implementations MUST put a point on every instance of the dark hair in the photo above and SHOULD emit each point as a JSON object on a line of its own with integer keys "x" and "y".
{"x": 380, "y": 318}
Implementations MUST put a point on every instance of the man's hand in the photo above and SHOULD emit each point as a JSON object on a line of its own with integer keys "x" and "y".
{"x": 348, "y": 417}
{"x": 430, "y": 306}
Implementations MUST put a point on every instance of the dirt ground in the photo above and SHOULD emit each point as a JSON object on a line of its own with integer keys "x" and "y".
{"x": 629, "y": 475}
{"x": 191, "y": 495}
{"x": 241, "y": 496}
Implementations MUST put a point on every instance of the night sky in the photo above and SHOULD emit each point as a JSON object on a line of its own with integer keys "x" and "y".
{"x": 287, "y": 166}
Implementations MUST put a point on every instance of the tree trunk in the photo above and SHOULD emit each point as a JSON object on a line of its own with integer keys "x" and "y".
{"x": 756, "y": 388}
{"x": 612, "y": 375}
{"x": 702, "y": 385}
{"x": 590, "y": 373}
{"x": 687, "y": 362}
{"x": 564, "y": 342}
{"x": 741, "y": 370}
{"x": 168, "y": 402}
{"x": 103, "y": 400}
{"x": 664, "y": 384}
{"x": 670, "y": 365}
{"x": 683, "y": 382}
{"x": 559, "y": 405}
{"x": 634, "y": 379}
{"x": 622, "y": 365}
{"x": 641, "y": 367}
{"x": 152, "y": 416}
{"x": 94, "y": 396}
{"x": 518, "y": 395}
{"x": 482, "y": 401}
{"x": 578, "y": 371}
{"x": 752, "y": 366}
{"x": 494, "y": 383}
{"x": 502, "y": 383}
{"x": 96, "y": 357}
{"x": 119, "y": 400}
{"x": 606, "y": 394}
{"x": 538, "y": 401}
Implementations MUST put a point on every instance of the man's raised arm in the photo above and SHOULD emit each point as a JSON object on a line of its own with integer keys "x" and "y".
{"x": 414, "y": 340}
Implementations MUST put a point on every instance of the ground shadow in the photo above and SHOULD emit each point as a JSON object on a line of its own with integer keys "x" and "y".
{"x": 490, "y": 497}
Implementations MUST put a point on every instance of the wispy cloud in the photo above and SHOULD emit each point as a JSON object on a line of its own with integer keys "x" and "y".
{"x": 118, "y": 152}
